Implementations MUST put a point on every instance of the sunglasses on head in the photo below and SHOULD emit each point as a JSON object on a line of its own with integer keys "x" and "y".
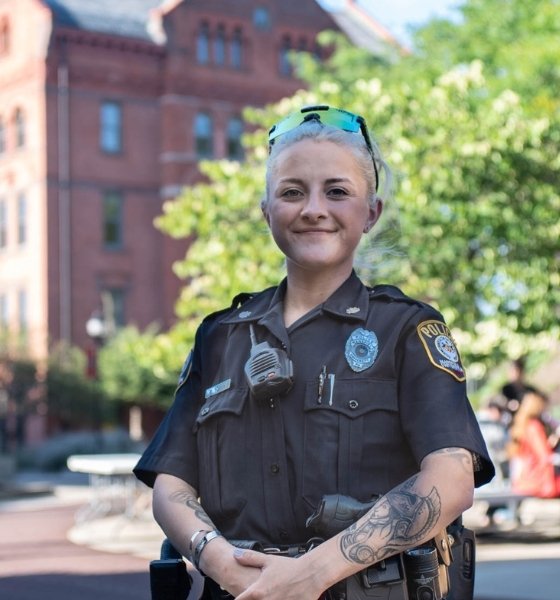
{"x": 327, "y": 115}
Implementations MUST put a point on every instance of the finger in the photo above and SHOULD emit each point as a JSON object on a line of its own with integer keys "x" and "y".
{"x": 249, "y": 558}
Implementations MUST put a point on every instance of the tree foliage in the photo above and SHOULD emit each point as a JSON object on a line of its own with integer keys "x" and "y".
{"x": 518, "y": 41}
{"x": 474, "y": 144}
{"x": 140, "y": 368}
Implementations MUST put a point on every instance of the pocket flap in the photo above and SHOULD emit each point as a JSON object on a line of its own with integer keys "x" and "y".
{"x": 353, "y": 397}
{"x": 230, "y": 401}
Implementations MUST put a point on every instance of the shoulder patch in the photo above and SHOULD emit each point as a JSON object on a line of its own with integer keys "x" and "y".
{"x": 440, "y": 347}
{"x": 186, "y": 370}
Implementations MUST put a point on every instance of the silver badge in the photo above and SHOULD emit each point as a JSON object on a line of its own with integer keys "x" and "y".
{"x": 352, "y": 310}
{"x": 361, "y": 349}
{"x": 244, "y": 314}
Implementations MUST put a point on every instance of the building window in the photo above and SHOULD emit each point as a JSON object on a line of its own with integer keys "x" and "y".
{"x": 112, "y": 219}
{"x": 3, "y": 312}
{"x": 21, "y": 219}
{"x": 284, "y": 64}
{"x": 236, "y": 49}
{"x": 22, "y": 312}
{"x": 204, "y": 136}
{"x": 19, "y": 123}
{"x": 114, "y": 306}
{"x": 203, "y": 45}
{"x": 4, "y": 36}
{"x": 2, "y": 136}
{"x": 220, "y": 46}
{"x": 261, "y": 18}
{"x": 3, "y": 224}
{"x": 110, "y": 127}
{"x": 234, "y": 132}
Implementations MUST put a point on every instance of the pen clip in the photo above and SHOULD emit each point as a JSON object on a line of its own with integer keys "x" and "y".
{"x": 321, "y": 384}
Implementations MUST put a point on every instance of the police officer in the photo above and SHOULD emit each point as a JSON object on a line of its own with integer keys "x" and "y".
{"x": 318, "y": 386}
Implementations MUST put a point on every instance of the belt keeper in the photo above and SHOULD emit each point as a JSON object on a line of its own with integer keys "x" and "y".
{"x": 204, "y": 540}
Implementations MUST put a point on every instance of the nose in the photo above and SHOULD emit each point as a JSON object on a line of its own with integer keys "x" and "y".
{"x": 315, "y": 206}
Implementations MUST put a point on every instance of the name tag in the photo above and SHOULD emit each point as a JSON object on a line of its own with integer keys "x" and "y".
{"x": 216, "y": 389}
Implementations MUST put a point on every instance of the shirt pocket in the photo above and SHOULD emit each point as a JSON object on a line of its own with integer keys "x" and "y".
{"x": 349, "y": 436}
{"x": 221, "y": 434}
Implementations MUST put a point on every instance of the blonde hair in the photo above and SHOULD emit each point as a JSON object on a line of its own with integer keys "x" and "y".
{"x": 355, "y": 143}
{"x": 532, "y": 406}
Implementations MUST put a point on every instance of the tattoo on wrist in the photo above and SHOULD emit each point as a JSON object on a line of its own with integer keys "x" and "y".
{"x": 191, "y": 501}
{"x": 397, "y": 521}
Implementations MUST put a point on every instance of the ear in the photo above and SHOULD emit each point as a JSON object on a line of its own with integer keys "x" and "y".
{"x": 374, "y": 214}
{"x": 265, "y": 214}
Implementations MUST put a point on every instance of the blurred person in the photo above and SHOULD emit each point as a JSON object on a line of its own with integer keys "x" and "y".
{"x": 516, "y": 386}
{"x": 493, "y": 420}
{"x": 533, "y": 462}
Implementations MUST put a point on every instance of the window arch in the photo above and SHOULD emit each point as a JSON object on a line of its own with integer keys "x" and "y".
{"x": 236, "y": 49}
{"x": 19, "y": 124}
{"x": 234, "y": 132}
{"x": 220, "y": 46}
{"x": 284, "y": 64}
{"x": 203, "y": 44}
{"x": 204, "y": 135}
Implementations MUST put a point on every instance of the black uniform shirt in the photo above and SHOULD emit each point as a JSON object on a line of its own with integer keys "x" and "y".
{"x": 392, "y": 391}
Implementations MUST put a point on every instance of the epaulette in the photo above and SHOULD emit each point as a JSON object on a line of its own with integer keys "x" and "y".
{"x": 241, "y": 299}
{"x": 237, "y": 301}
{"x": 393, "y": 293}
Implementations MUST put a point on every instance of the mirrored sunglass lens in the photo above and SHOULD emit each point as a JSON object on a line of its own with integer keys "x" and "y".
{"x": 340, "y": 121}
{"x": 331, "y": 117}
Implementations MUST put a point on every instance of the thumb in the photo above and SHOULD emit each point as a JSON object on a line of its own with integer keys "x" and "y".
{"x": 249, "y": 558}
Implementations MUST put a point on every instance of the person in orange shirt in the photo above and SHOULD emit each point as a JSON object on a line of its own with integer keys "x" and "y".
{"x": 532, "y": 468}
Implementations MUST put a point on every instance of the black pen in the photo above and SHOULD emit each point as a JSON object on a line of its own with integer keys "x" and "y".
{"x": 321, "y": 385}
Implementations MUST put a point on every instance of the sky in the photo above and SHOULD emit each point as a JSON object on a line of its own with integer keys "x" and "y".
{"x": 396, "y": 15}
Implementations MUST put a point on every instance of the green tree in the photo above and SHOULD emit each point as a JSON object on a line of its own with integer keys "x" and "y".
{"x": 518, "y": 41}
{"x": 73, "y": 401}
{"x": 473, "y": 225}
{"x": 141, "y": 368}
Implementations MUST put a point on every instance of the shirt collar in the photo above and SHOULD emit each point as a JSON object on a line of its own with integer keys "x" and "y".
{"x": 350, "y": 301}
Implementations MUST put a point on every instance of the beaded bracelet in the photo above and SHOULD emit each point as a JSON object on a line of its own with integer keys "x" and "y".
{"x": 205, "y": 539}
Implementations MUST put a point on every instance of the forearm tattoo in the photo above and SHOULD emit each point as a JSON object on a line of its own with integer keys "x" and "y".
{"x": 191, "y": 501}
{"x": 399, "y": 520}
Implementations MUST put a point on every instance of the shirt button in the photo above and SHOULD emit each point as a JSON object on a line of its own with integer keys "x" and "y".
{"x": 353, "y": 404}
{"x": 274, "y": 468}
{"x": 205, "y": 411}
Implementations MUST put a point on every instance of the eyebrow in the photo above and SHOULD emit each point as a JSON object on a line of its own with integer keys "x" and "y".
{"x": 328, "y": 181}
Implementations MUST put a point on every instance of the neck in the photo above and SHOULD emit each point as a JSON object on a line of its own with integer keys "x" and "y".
{"x": 306, "y": 290}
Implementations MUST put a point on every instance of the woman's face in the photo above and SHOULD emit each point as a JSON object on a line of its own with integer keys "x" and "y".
{"x": 318, "y": 208}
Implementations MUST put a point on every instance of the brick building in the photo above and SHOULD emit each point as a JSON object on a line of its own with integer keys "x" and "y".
{"x": 105, "y": 109}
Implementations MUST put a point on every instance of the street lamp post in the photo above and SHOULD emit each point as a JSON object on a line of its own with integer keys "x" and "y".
{"x": 96, "y": 329}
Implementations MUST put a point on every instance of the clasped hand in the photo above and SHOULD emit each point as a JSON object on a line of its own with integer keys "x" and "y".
{"x": 280, "y": 578}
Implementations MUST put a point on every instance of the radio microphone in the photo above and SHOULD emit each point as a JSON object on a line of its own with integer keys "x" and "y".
{"x": 269, "y": 371}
